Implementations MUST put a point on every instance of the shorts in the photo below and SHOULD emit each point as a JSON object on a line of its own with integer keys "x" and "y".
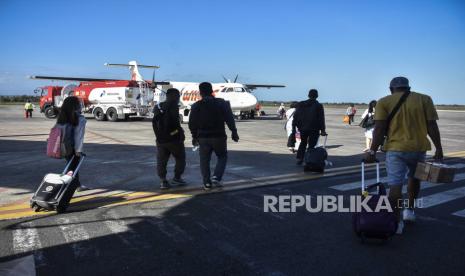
{"x": 400, "y": 163}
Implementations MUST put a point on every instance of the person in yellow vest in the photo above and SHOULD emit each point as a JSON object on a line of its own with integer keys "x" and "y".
{"x": 28, "y": 107}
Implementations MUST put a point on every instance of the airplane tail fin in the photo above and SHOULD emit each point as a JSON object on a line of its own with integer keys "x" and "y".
{"x": 133, "y": 68}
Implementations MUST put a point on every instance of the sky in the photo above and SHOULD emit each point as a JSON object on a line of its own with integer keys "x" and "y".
{"x": 348, "y": 50}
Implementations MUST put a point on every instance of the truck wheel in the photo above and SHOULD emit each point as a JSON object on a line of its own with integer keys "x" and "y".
{"x": 99, "y": 115}
{"x": 50, "y": 112}
{"x": 112, "y": 115}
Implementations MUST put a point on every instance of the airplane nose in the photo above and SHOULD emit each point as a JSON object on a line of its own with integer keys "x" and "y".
{"x": 252, "y": 100}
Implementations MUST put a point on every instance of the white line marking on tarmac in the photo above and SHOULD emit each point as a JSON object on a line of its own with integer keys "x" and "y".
{"x": 27, "y": 240}
{"x": 114, "y": 161}
{"x": 460, "y": 213}
{"x": 74, "y": 233}
{"x": 239, "y": 168}
{"x": 442, "y": 197}
{"x": 459, "y": 166}
{"x": 357, "y": 184}
{"x": 203, "y": 226}
{"x": 250, "y": 205}
{"x": 118, "y": 226}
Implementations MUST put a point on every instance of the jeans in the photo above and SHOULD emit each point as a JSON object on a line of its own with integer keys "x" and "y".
{"x": 308, "y": 139}
{"x": 206, "y": 147}
{"x": 163, "y": 155}
{"x": 399, "y": 164}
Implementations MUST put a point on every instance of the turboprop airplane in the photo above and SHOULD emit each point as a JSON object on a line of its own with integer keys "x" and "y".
{"x": 239, "y": 95}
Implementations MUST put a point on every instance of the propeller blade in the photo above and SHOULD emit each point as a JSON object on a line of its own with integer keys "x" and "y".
{"x": 154, "y": 84}
{"x": 235, "y": 79}
{"x": 225, "y": 79}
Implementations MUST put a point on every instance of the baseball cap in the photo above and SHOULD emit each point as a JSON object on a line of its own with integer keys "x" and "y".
{"x": 399, "y": 82}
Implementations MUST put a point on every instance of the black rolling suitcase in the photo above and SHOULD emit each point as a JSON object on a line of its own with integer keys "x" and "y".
{"x": 315, "y": 159}
{"x": 49, "y": 195}
{"x": 376, "y": 225}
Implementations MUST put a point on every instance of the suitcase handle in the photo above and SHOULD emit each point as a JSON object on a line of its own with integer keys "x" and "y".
{"x": 363, "y": 173}
{"x": 326, "y": 139}
{"x": 83, "y": 155}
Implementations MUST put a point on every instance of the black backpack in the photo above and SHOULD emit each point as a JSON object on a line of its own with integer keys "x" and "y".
{"x": 164, "y": 130}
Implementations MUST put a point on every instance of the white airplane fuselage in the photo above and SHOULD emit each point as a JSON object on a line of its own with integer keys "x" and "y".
{"x": 239, "y": 97}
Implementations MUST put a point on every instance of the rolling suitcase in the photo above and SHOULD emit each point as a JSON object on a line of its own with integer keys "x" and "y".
{"x": 377, "y": 225}
{"x": 315, "y": 158}
{"x": 49, "y": 195}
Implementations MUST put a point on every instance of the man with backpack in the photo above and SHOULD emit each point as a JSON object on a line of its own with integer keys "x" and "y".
{"x": 403, "y": 120}
{"x": 309, "y": 118}
{"x": 206, "y": 123}
{"x": 169, "y": 138}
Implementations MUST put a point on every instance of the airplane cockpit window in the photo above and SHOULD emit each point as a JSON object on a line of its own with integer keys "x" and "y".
{"x": 239, "y": 89}
{"x": 224, "y": 89}
{"x": 230, "y": 89}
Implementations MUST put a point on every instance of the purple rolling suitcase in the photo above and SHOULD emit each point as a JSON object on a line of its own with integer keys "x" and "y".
{"x": 378, "y": 225}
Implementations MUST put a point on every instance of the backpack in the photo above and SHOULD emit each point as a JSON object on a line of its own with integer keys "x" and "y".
{"x": 164, "y": 130}
{"x": 60, "y": 141}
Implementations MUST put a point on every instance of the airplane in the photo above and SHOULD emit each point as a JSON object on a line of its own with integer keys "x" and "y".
{"x": 239, "y": 95}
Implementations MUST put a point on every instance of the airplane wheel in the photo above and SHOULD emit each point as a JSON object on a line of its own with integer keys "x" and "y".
{"x": 99, "y": 115}
{"x": 50, "y": 112}
{"x": 112, "y": 115}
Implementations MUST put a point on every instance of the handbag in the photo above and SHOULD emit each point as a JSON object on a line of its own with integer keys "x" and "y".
{"x": 291, "y": 141}
{"x": 346, "y": 119}
{"x": 391, "y": 115}
{"x": 367, "y": 122}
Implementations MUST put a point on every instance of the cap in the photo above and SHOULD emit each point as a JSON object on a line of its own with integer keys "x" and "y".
{"x": 399, "y": 82}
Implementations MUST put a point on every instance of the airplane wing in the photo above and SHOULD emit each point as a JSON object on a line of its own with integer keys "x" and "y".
{"x": 255, "y": 86}
{"x": 85, "y": 79}
{"x": 68, "y": 78}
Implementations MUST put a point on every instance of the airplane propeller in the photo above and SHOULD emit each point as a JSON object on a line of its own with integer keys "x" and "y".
{"x": 228, "y": 80}
{"x": 153, "y": 84}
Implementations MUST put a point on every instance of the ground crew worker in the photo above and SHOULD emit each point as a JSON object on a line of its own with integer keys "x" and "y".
{"x": 28, "y": 108}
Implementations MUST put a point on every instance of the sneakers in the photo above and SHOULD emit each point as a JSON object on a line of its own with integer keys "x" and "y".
{"x": 82, "y": 188}
{"x": 164, "y": 184}
{"x": 216, "y": 182}
{"x": 207, "y": 186}
{"x": 178, "y": 181}
{"x": 409, "y": 215}
{"x": 400, "y": 227}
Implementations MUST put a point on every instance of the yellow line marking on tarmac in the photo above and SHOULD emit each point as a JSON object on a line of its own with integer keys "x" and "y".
{"x": 456, "y": 154}
{"x": 104, "y": 198}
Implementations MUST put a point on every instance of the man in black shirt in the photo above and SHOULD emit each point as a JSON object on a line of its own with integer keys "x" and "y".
{"x": 309, "y": 118}
{"x": 170, "y": 138}
{"x": 206, "y": 123}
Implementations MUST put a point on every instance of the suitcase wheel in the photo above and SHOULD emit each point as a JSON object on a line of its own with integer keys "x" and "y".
{"x": 35, "y": 207}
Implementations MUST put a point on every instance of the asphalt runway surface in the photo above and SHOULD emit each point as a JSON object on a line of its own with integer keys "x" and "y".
{"x": 126, "y": 226}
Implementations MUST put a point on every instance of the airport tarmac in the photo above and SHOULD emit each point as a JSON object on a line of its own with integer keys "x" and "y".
{"x": 224, "y": 232}
{"x": 120, "y": 167}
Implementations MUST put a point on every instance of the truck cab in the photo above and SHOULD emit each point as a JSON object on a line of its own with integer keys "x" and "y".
{"x": 47, "y": 103}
